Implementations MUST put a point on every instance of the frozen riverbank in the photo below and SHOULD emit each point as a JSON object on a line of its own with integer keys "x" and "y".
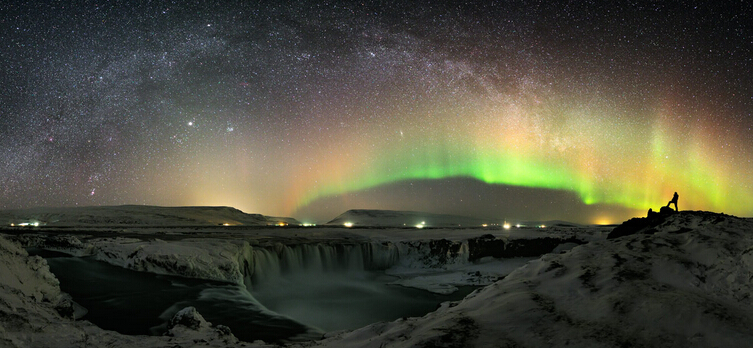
{"x": 437, "y": 260}
{"x": 685, "y": 281}
{"x": 276, "y": 257}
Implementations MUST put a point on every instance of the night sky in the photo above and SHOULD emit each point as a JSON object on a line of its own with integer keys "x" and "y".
{"x": 581, "y": 111}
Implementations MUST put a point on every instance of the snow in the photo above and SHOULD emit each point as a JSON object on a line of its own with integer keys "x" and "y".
{"x": 437, "y": 265}
{"x": 668, "y": 289}
{"x": 687, "y": 284}
{"x": 447, "y": 279}
{"x": 31, "y": 305}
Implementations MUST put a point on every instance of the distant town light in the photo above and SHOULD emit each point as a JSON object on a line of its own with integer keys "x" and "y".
{"x": 420, "y": 226}
{"x": 308, "y": 224}
{"x": 506, "y": 226}
{"x": 484, "y": 225}
{"x": 348, "y": 224}
{"x": 603, "y": 221}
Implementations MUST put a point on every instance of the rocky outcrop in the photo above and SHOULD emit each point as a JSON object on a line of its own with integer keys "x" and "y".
{"x": 642, "y": 225}
{"x": 687, "y": 285}
{"x": 34, "y": 313}
{"x": 188, "y": 322}
{"x": 488, "y": 245}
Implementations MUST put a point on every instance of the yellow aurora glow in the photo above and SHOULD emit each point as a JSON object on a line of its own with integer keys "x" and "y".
{"x": 603, "y": 154}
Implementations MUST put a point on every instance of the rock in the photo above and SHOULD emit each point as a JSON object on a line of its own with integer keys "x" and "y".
{"x": 188, "y": 317}
{"x": 665, "y": 210}
{"x": 189, "y": 323}
{"x": 488, "y": 245}
{"x": 642, "y": 225}
{"x": 67, "y": 308}
{"x": 223, "y": 330}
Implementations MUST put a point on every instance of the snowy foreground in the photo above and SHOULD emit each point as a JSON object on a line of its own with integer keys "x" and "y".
{"x": 681, "y": 280}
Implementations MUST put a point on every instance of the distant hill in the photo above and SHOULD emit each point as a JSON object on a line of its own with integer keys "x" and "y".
{"x": 136, "y": 215}
{"x": 393, "y": 218}
{"x": 396, "y": 218}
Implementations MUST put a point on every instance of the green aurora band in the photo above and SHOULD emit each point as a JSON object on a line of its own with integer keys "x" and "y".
{"x": 634, "y": 162}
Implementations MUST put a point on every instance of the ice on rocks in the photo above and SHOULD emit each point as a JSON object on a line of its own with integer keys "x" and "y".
{"x": 686, "y": 284}
{"x": 684, "y": 281}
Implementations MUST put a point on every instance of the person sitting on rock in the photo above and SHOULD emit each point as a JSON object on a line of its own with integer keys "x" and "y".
{"x": 674, "y": 200}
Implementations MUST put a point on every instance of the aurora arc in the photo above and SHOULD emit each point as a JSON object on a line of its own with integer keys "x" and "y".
{"x": 635, "y": 164}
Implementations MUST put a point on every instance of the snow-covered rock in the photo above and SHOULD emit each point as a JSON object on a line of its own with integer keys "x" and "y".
{"x": 30, "y": 306}
{"x": 419, "y": 263}
{"x": 188, "y": 322}
{"x": 686, "y": 285}
{"x": 211, "y": 259}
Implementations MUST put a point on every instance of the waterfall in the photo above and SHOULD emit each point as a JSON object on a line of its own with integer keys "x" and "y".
{"x": 264, "y": 264}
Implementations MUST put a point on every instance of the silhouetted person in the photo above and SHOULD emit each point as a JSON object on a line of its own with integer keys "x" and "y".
{"x": 674, "y": 200}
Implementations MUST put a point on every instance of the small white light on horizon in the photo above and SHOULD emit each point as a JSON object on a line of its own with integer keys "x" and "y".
{"x": 348, "y": 224}
{"x": 506, "y": 226}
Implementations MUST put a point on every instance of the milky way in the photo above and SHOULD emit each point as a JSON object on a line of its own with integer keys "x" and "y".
{"x": 508, "y": 110}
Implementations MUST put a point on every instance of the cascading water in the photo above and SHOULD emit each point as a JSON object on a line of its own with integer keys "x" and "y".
{"x": 291, "y": 292}
{"x": 270, "y": 263}
{"x": 337, "y": 286}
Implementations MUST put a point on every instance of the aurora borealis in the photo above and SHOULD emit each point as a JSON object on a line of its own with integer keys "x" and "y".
{"x": 577, "y": 111}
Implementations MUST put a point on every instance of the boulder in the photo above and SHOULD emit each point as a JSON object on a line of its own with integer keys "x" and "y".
{"x": 188, "y": 317}
{"x": 189, "y": 323}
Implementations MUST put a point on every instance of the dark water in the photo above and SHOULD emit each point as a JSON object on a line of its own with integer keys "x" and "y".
{"x": 348, "y": 301}
{"x": 292, "y": 308}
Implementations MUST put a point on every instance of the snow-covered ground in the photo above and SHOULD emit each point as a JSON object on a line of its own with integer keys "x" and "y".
{"x": 34, "y": 313}
{"x": 686, "y": 282}
{"x": 438, "y": 260}
{"x": 687, "y": 285}
{"x": 159, "y": 240}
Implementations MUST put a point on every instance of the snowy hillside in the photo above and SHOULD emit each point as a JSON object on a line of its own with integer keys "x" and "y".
{"x": 135, "y": 215}
{"x": 678, "y": 280}
{"x": 34, "y": 313}
{"x": 686, "y": 285}
{"x": 393, "y": 218}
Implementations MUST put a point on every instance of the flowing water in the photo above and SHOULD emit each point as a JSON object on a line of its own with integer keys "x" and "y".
{"x": 298, "y": 306}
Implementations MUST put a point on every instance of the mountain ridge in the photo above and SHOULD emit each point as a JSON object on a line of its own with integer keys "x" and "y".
{"x": 137, "y": 215}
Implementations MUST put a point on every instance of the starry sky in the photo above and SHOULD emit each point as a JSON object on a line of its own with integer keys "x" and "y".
{"x": 586, "y": 111}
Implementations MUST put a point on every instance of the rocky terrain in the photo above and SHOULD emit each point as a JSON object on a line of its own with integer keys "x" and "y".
{"x": 678, "y": 280}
